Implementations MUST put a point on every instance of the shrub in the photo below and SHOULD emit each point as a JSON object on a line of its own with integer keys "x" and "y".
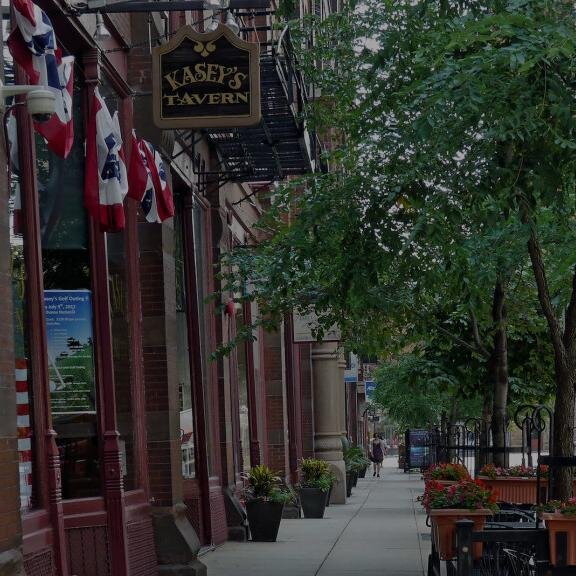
{"x": 263, "y": 484}
{"x": 468, "y": 494}
{"x": 316, "y": 474}
{"x": 447, "y": 472}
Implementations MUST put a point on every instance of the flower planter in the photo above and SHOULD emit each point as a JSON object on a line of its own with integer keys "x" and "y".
{"x": 354, "y": 479}
{"x": 514, "y": 490}
{"x": 313, "y": 502}
{"x": 444, "y": 482}
{"x": 444, "y": 529}
{"x": 264, "y": 519}
{"x": 362, "y": 473}
{"x": 560, "y": 523}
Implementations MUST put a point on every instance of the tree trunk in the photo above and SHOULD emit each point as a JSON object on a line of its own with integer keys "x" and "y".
{"x": 499, "y": 366}
{"x": 563, "y": 433}
{"x": 564, "y": 355}
{"x": 483, "y": 456}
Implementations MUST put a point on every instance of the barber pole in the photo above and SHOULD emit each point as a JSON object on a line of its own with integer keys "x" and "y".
{"x": 24, "y": 434}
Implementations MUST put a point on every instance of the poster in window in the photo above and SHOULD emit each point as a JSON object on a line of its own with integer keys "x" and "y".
{"x": 70, "y": 351}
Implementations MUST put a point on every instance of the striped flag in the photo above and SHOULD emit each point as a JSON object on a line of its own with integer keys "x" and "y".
{"x": 33, "y": 46}
{"x": 148, "y": 181}
{"x": 106, "y": 179}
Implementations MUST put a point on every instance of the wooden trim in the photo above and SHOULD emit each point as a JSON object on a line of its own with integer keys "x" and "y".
{"x": 104, "y": 360}
{"x": 48, "y": 481}
{"x": 252, "y": 394}
{"x": 195, "y": 359}
{"x": 134, "y": 304}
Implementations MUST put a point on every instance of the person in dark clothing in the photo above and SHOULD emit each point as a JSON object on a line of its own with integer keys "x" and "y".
{"x": 376, "y": 454}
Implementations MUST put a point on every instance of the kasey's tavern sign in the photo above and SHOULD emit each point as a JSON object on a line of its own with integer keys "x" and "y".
{"x": 206, "y": 80}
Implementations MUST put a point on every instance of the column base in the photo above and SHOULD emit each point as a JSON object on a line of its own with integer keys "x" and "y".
{"x": 177, "y": 543}
{"x": 329, "y": 447}
{"x": 11, "y": 563}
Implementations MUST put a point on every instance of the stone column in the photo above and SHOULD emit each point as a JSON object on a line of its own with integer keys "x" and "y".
{"x": 327, "y": 380}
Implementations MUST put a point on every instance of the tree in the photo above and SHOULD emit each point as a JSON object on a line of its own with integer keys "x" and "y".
{"x": 455, "y": 127}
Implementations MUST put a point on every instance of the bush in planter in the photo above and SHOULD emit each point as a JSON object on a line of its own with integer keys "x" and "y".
{"x": 516, "y": 484}
{"x": 317, "y": 480}
{"x": 447, "y": 473}
{"x": 561, "y": 517}
{"x": 356, "y": 462}
{"x": 470, "y": 499}
{"x": 265, "y": 498}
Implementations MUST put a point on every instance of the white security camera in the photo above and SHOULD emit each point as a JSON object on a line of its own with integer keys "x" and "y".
{"x": 41, "y": 103}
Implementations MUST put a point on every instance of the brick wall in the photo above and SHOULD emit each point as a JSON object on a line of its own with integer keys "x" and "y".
{"x": 277, "y": 426}
{"x": 304, "y": 350}
{"x": 10, "y": 530}
{"x": 158, "y": 293}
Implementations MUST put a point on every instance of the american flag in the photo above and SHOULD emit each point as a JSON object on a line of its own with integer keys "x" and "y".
{"x": 33, "y": 46}
{"x": 106, "y": 178}
{"x": 148, "y": 181}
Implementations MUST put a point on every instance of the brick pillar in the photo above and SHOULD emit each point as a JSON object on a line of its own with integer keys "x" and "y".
{"x": 10, "y": 527}
{"x": 304, "y": 352}
{"x": 277, "y": 429}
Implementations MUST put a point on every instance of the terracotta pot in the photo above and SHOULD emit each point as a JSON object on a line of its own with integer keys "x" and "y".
{"x": 444, "y": 482}
{"x": 444, "y": 529}
{"x": 557, "y": 523}
{"x": 514, "y": 490}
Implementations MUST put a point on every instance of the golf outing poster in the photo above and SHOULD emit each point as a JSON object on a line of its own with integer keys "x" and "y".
{"x": 70, "y": 350}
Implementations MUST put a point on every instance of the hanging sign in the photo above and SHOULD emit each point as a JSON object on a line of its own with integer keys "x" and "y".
{"x": 206, "y": 80}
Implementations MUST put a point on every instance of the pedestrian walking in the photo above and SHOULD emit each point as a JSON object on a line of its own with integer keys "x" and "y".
{"x": 376, "y": 454}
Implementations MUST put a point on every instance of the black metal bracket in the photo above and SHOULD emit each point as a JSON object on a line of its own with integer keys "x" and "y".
{"x": 163, "y": 6}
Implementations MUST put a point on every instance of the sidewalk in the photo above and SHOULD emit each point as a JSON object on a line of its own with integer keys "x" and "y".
{"x": 378, "y": 532}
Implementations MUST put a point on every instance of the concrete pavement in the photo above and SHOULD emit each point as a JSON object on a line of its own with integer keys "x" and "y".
{"x": 380, "y": 531}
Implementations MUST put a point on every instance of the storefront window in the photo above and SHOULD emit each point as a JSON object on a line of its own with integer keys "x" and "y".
{"x": 243, "y": 395}
{"x": 68, "y": 304}
{"x": 184, "y": 378}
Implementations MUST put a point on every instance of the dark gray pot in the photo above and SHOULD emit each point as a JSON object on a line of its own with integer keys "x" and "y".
{"x": 313, "y": 502}
{"x": 264, "y": 519}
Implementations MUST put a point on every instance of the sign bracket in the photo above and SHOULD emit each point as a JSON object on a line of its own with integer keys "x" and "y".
{"x": 162, "y": 6}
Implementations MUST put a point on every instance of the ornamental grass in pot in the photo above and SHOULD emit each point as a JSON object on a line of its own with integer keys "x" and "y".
{"x": 515, "y": 484}
{"x": 447, "y": 474}
{"x": 468, "y": 499}
{"x": 265, "y": 498}
{"x": 314, "y": 490}
{"x": 560, "y": 518}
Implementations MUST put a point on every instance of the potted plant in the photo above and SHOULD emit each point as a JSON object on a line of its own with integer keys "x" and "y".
{"x": 315, "y": 487}
{"x": 468, "y": 499}
{"x": 355, "y": 462}
{"x": 560, "y": 517}
{"x": 516, "y": 484}
{"x": 265, "y": 498}
{"x": 447, "y": 474}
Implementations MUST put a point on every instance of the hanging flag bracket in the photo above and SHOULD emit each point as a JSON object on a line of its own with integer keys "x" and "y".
{"x": 103, "y": 7}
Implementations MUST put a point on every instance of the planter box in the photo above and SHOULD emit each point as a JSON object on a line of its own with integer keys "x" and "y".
{"x": 564, "y": 527}
{"x": 313, "y": 502}
{"x": 444, "y": 482}
{"x": 514, "y": 490}
{"x": 264, "y": 520}
{"x": 444, "y": 529}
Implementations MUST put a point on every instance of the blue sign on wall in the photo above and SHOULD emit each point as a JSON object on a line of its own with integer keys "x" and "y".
{"x": 369, "y": 387}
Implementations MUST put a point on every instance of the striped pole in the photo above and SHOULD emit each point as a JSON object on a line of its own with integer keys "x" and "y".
{"x": 24, "y": 434}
